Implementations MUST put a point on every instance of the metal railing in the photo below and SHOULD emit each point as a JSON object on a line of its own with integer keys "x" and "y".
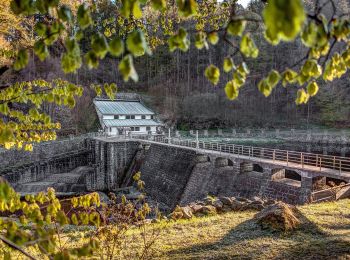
{"x": 319, "y": 162}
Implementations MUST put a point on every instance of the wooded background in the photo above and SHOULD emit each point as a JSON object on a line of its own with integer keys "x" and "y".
{"x": 174, "y": 86}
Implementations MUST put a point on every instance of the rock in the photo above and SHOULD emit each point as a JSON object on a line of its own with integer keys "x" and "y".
{"x": 331, "y": 183}
{"x": 270, "y": 202}
{"x": 226, "y": 201}
{"x": 218, "y": 204}
{"x": 242, "y": 199}
{"x": 196, "y": 208}
{"x": 177, "y": 213}
{"x": 208, "y": 201}
{"x": 280, "y": 217}
{"x": 255, "y": 205}
{"x": 237, "y": 205}
{"x": 226, "y": 208}
{"x": 255, "y": 199}
{"x": 187, "y": 212}
{"x": 208, "y": 210}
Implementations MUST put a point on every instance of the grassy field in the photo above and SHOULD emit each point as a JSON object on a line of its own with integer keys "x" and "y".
{"x": 235, "y": 236}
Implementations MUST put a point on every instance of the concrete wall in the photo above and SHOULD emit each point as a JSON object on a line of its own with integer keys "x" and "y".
{"x": 38, "y": 170}
{"x": 41, "y": 152}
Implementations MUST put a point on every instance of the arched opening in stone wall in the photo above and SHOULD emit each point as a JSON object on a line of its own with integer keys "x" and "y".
{"x": 323, "y": 182}
{"x": 257, "y": 168}
{"x": 286, "y": 176}
{"x": 229, "y": 162}
{"x": 221, "y": 162}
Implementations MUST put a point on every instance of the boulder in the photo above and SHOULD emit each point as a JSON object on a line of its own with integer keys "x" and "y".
{"x": 242, "y": 199}
{"x": 208, "y": 210}
{"x": 208, "y": 200}
{"x": 226, "y": 201}
{"x": 279, "y": 217}
{"x": 196, "y": 208}
{"x": 218, "y": 204}
{"x": 177, "y": 213}
{"x": 186, "y": 212}
{"x": 255, "y": 205}
{"x": 237, "y": 205}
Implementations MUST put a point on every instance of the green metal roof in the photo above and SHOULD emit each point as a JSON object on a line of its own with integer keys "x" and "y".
{"x": 121, "y": 107}
{"x": 130, "y": 122}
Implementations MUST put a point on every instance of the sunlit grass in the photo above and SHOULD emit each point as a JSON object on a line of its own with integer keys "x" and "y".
{"x": 235, "y": 235}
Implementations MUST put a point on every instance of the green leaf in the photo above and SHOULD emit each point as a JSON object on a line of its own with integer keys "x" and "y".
{"x": 200, "y": 40}
{"x": 314, "y": 35}
{"x": 187, "y": 8}
{"x": 212, "y": 73}
{"x": 159, "y": 5}
{"x": 228, "y": 64}
{"x": 302, "y": 97}
{"x": 243, "y": 69}
{"x": 312, "y": 88}
{"x": 41, "y": 29}
{"x": 131, "y": 7}
{"x": 238, "y": 79}
{"x": 6, "y": 135}
{"x": 236, "y": 27}
{"x": 273, "y": 78}
{"x": 136, "y": 43}
{"x": 264, "y": 87}
{"x": 84, "y": 16}
{"x": 231, "y": 90}
{"x": 116, "y": 47}
{"x": 283, "y": 19}
{"x": 99, "y": 45}
{"x": 289, "y": 76}
{"x": 22, "y": 60}
{"x": 71, "y": 60}
{"x": 91, "y": 60}
{"x": 311, "y": 69}
{"x": 65, "y": 14}
{"x": 179, "y": 41}
{"x": 213, "y": 38}
{"x": 25, "y": 7}
{"x": 248, "y": 47}
{"x": 41, "y": 50}
{"x": 126, "y": 68}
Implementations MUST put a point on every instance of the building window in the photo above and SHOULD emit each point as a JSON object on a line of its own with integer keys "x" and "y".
{"x": 132, "y": 128}
{"x": 127, "y": 117}
{"x": 137, "y": 128}
{"x": 148, "y": 128}
{"x": 116, "y": 117}
{"x": 132, "y": 117}
{"x": 151, "y": 117}
{"x": 143, "y": 117}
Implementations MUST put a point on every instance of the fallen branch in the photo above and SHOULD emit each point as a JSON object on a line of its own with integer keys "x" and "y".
{"x": 16, "y": 247}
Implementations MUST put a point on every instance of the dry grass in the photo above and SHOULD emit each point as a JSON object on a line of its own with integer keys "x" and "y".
{"x": 235, "y": 236}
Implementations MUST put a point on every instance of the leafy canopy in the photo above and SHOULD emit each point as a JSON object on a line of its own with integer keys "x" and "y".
{"x": 137, "y": 27}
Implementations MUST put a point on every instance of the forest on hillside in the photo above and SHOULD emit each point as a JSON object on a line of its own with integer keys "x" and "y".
{"x": 173, "y": 84}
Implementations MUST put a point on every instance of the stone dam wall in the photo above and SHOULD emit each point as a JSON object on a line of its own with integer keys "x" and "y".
{"x": 179, "y": 176}
{"x": 172, "y": 175}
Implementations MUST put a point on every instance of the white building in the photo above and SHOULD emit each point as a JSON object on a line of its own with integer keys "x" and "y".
{"x": 122, "y": 117}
